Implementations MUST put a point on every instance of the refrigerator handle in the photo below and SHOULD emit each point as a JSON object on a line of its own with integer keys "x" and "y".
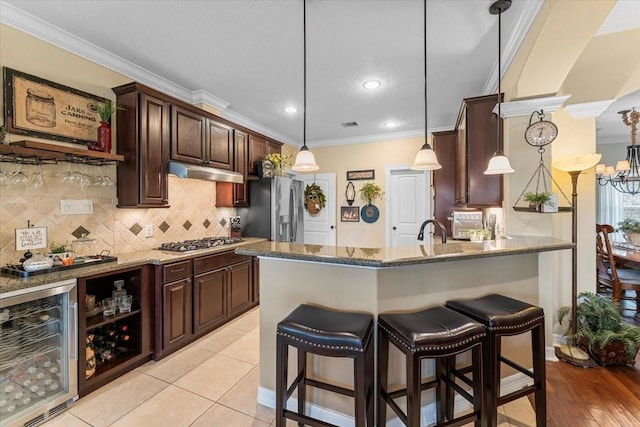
{"x": 293, "y": 214}
{"x": 73, "y": 331}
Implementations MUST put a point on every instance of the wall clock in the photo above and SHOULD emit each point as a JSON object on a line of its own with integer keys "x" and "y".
{"x": 542, "y": 132}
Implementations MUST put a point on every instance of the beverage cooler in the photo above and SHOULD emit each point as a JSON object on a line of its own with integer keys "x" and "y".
{"x": 38, "y": 353}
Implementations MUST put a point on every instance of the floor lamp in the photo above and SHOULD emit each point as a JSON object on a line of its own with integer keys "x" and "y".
{"x": 574, "y": 166}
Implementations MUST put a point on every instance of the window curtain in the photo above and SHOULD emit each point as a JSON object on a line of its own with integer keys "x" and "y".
{"x": 610, "y": 205}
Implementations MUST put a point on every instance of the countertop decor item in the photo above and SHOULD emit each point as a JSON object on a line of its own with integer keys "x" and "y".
{"x": 425, "y": 158}
{"x": 499, "y": 163}
{"x": 305, "y": 161}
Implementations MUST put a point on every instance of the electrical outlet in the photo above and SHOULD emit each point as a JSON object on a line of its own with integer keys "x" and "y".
{"x": 148, "y": 230}
{"x": 76, "y": 207}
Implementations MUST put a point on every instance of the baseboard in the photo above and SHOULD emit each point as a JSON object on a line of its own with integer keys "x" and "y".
{"x": 267, "y": 397}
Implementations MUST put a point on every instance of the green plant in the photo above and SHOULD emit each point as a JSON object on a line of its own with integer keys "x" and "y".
{"x": 600, "y": 322}
{"x": 537, "y": 198}
{"x": 279, "y": 161}
{"x": 629, "y": 225}
{"x": 105, "y": 109}
{"x": 370, "y": 191}
{"x": 311, "y": 189}
{"x": 59, "y": 248}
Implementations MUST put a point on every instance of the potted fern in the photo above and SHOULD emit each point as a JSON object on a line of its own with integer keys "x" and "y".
{"x": 536, "y": 200}
{"x": 105, "y": 110}
{"x": 601, "y": 331}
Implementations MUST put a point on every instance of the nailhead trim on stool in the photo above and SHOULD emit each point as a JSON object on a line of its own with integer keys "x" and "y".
{"x": 504, "y": 316}
{"x": 332, "y": 333}
{"x": 436, "y": 333}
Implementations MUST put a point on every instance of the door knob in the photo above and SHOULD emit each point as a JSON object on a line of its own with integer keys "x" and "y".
{"x": 394, "y": 227}
{"x": 332, "y": 227}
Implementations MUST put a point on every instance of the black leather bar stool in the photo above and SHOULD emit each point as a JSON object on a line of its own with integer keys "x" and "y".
{"x": 440, "y": 334}
{"x": 332, "y": 333}
{"x": 504, "y": 316}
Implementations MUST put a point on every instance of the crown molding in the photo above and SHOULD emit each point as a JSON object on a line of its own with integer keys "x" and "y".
{"x": 525, "y": 107}
{"x": 522, "y": 22}
{"x": 255, "y": 126}
{"x": 27, "y": 23}
{"x": 588, "y": 109}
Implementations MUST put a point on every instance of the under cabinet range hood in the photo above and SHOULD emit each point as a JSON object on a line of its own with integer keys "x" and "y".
{"x": 185, "y": 170}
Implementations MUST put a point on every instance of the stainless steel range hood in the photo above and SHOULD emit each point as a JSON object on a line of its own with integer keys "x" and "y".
{"x": 185, "y": 170}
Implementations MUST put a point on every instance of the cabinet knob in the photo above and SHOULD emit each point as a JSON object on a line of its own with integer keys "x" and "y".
{"x": 187, "y": 281}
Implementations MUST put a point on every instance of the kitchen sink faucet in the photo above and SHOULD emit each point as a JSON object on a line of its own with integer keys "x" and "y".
{"x": 443, "y": 231}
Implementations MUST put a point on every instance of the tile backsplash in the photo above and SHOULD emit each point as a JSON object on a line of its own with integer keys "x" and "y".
{"x": 192, "y": 213}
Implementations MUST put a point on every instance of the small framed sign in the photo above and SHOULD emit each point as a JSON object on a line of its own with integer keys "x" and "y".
{"x": 31, "y": 238}
{"x": 363, "y": 174}
{"x": 349, "y": 214}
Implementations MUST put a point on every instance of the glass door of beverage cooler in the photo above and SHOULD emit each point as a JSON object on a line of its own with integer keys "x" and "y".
{"x": 38, "y": 353}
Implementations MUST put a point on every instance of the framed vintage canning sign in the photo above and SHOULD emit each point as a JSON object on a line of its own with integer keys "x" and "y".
{"x": 41, "y": 108}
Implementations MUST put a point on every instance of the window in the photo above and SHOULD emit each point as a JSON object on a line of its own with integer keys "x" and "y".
{"x": 614, "y": 206}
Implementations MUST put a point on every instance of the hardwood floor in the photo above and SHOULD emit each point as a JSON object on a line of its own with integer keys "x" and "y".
{"x": 604, "y": 397}
{"x": 593, "y": 397}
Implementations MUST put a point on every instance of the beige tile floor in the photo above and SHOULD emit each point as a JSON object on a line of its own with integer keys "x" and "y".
{"x": 213, "y": 382}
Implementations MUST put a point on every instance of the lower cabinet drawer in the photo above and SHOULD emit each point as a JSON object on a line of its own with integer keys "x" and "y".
{"x": 177, "y": 271}
{"x": 214, "y": 262}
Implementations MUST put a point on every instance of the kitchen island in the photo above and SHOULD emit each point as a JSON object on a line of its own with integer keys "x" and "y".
{"x": 377, "y": 280}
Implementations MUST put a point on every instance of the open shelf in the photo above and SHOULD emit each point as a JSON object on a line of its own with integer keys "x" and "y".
{"x": 99, "y": 320}
{"x": 34, "y": 152}
{"x": 527, "y": 209}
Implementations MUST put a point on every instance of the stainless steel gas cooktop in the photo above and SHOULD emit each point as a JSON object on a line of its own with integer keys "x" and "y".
{"x": 193, "y": 245}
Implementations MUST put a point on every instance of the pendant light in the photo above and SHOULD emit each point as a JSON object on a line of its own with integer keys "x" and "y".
{"x": 305, "y": 161}
{"x": 499, "y": 164}
{"x": 425, "y": 158}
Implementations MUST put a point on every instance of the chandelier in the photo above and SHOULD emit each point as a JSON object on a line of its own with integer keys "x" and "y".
{"x": 625, "y": 177}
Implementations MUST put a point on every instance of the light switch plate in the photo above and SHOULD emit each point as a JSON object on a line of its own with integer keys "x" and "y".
{"x": 148, "y": 230}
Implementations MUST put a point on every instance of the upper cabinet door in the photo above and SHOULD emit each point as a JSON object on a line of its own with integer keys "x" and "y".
{"x": 220, "y": 147}
{"x": 187, "y": 136}
{"x": 257, "y": 151}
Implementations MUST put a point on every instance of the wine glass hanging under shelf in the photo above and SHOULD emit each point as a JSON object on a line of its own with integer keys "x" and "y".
{"x": 543, "y": 180}
{"x": 35, "y": 153}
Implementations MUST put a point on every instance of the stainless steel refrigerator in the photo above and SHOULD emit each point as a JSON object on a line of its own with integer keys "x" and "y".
{"x": 275, "y": 210}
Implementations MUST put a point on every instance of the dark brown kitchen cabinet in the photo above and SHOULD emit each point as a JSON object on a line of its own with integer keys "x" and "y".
{"x": 209, "y": 308}
{"x": 187, "y": 136}
{"x": 143, "y": 139}
{"x": 200, "y": 140}
{"x": 119, "y": 342}
{"x": 258, "y": 148}
{"x": 235, "y": 195}
{"x": 477, "y": 142}
{"x": 176, "y": 305}
{"x": 444, "y": 179}
{"x": 200, "y": 294}
{"x": 240, "y": 287}
{"x": 256, "y": 280}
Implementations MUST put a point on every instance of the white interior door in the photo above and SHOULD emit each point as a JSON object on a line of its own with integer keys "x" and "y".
{"x": 408, "y": 204}
{"x": 320, "y": 229}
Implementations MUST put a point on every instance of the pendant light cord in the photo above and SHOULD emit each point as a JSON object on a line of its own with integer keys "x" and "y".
{"x": 304, "y": 67}
{"x": 426, "y": 135}
{"x": 499, "y": 78}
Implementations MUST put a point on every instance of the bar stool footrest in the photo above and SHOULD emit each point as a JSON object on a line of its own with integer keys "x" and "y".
{"x": 330, "y": 387}
{"x": 516, "y": 394}
{"x": 314, "y": 422}
{"x": 515, "y": 366}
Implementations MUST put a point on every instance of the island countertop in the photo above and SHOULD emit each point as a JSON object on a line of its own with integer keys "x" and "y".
{"x": 405, "y": 255}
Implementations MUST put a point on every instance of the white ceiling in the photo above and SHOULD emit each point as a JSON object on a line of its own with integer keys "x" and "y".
{"x": 247, "y": 56}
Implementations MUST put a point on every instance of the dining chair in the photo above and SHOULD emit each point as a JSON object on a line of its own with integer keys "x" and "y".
{"x": 611, "y": 275}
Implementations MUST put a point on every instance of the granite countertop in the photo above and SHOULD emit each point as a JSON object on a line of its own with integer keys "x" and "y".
{"x": 405, "y": 255}
{"x": 14, "y": 285}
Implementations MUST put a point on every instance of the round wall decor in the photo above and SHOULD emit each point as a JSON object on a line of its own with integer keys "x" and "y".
{"x": 370, "y": 213}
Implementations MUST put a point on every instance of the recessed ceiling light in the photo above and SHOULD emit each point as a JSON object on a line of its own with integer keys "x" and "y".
{"x": 372, "y": 84}
{"x": 290, "y": 109}
{"x": 390, "y": 124}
